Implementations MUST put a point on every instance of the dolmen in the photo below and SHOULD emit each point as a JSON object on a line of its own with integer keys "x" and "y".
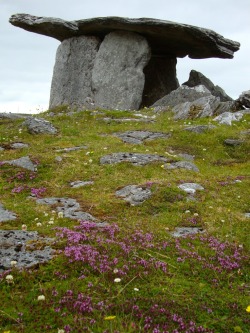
{"x": 120, "y": 63}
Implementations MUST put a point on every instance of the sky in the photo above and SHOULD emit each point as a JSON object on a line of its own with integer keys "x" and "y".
{"x": 27, "y": 59}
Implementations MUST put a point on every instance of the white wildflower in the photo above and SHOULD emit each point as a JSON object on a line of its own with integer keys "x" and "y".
{"x": 136, "y": 289}
{"x": 115, "y": 271}
{"x": 117, "y": 280}
{"x": 60, "y": 215}
{"x": 24, "y": 227}
{"x": 9, "y": 278}
{"x": 39, "y": 224}
{"x": 41, "y": 298}
{"x": 13, "y": 263}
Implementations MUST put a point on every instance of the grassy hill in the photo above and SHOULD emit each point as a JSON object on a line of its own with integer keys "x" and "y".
{"x": 131, "y": 275}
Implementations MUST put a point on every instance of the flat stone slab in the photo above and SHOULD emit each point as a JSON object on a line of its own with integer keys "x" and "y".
{"x": 181, "y": 165}
{"x": 200, "y": 128}
{"x": 233, "y": 142}
{"x": 15, "y": 145}
{"x": 134, "y": 194}
{"x": 69, "y": 207}
{"x": 81, "y": 183}
{"x": 134, "y": 158}
{"x": 191, "y": 188}
{"x": 39, "y": 126}
{"x": 69, "y": 149}
{"x": 6, "y": 215}
{"x": 138, "y": 137}
{"x": 14, "y": 247}
{"x": 22, "y": 162}
{"x": 186, "y": 231}
{"x": 164, "y": 37}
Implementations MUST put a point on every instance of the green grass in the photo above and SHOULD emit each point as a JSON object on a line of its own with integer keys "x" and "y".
{"x": 166, "y": 283}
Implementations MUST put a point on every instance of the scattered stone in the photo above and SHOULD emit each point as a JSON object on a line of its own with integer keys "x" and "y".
{"x": 233, "y": 142}
{"x": 13, "y": 116}
{"x": 80, "y": 183}
{"x": 14, "y": 246}
{"x": 6, "y": 215}
{"x": 243, "y": 101}
{"x": 186, "y": 157}
{"x": 23, "y": 162}
{"x": 226, "y": 118}
{"x": 197, "y": 78}
{"x": 247, "y": 132}
{"x": 191, "y": 188}
{"x": 19, "y": 145}
{"x": 181, "y": 165}
{"x": 134, "y": 158}
{"x": 134, "y": 194}
{"x": 69, "y": 207}
{"x": 117, "y": 77}
{"x": 127, "y": 120}
{"x": 138, "y": 137}
{"x": 199, "y": 128}
{"x": 39, "y": 126}
{"x": 247, "y": 215}
{"x": 185, "y": 231}
{"x": 67, "y": 150}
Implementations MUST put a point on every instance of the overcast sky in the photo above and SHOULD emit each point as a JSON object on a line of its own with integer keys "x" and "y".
{"x": 27, "y": 59}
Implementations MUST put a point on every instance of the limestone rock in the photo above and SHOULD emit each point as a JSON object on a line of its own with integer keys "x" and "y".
{"x": 181, "y": 95}
{"x": 71, "y": 82}
{"x": 117, "y": 76}
{"x": 200, "y": 108}
{"x": 243, "y": 101}
{"x": 226, "y": 118}
{"x": 134, "y": 158}
{"x": 185, "y": 231}
{"x": 181, "y": 165}
{"x": 80, "y": 183}
{"x": 138, "y": 137}
{"x": 197, "y": 78}
{"x": 134, "y": 194}
{"x": 39, "y": 126}
{"x": 233, "y": 142}
{"x": 191, "y": 188}
{"x": 13, "y": 116}
{"x": 164, "y": 37}
{"x": 22, "y": 162}
{"x": 6, "y": 215}
{"x": 200, "y": 128}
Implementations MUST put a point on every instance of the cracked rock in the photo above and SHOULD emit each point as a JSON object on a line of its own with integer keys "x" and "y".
{"x": 134, "y": 194}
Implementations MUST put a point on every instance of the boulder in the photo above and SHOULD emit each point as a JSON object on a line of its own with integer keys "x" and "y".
{"x": 39, "y": 126}
{"x": 71, "y": 82}
{"x": 243, "y": 101}
{"x": 226, "y": 118}
{"x": 197, "y": 78}
{"x": 117, "y": 76}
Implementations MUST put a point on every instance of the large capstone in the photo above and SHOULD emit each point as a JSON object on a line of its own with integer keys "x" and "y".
{"x": 71, "y": 83}
{"x": 117, "y": 77}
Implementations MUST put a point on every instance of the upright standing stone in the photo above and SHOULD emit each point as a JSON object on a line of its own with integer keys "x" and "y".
{"x": 71, "y": 83}
{"x": 117, "y": 77}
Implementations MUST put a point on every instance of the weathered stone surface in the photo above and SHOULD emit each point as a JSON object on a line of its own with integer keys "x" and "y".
{"x": 138, "y": 137}
{"x": 233, "y": 142}
{"x": 197, "y": 78}
{"x": 181, "y": 165}
{"x": 81, "y": 183}
{"x": 14, "y": 247}
{"x": 160, "y": 79}
{"x": 71, "y": 82}
{"x": 200, "y": 108}
{"x": 22, "y": 162}
{"x": 186, "y": 157}
{"x": 13, "y": 116}
{"x": 6, "y": 215}
{"x": 200, "y": 128}
{"x": 134, "y": 158}
{"x": 225, "y": 107}
{"x": 181, "y": 95}
{"x": 19, "y": 145}
{"x": 69, "y": 207}
{"x": 117, "y": 76}
{"x": 39, "y": 126}
{"x": 191, "y": 188}
{"x": 134, "y": 194}
{"x": 127, "y": 120}
{"x": 69, "y": 149}
{"x": 243, "y": 101}
{"x": 226, "y": 118}
{"x": 185, "y": 231}
{"x": 164, "y": 37}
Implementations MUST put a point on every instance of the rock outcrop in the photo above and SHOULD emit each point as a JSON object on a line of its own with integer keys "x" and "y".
{"x": 101, "y": 60}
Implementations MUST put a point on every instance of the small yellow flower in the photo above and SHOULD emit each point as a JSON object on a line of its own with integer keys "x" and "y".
{"x": 248, "y": 309}
{"x": 6, "y": 332}
{"x": 109, "y": 318}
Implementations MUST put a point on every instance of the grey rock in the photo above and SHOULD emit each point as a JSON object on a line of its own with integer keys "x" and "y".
{"x": 181, "y": 95}
{"x": 185, "y": 231}
{"x": 134, "y": 194}
{"x": 165, "y": 37}
{"x": 197, "y": 78}
{"x": 134, "y": 158}
{"x": 243, "y": 101}
{"x": 127, "y": 120}
{"x": 187, "y": 157}
{"x": 117, "y": 76}
{"x": 200, "y": 108}
{"x": 1, "y": 148}
{"x": 191, "y": 188}
{"x": 80, "y": 183}
{"x": 6, "y": 215}
{"x": 14, "y": 247}
{"x": 181, "y": 165}
{"x": 39, "y": 126}
{"x": 22, "y": 162}
{"x": 13, "y": 116}
{"x": 69, "y": 149}
{"x": 160, "y": 79}
{"x": 226, "y": 118}
{"x": 233, "y": 142}
{"x": 225, "y": 107}
{"x": 71, "y": 82}
{"x": 245, "y": 133}
{"x": 69, "y": 207}
{"x": 247, "y": 215}
{"x": 199, "y": 128}
{"x": 19, "y": 145}
{"x": 138, "y": 137}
